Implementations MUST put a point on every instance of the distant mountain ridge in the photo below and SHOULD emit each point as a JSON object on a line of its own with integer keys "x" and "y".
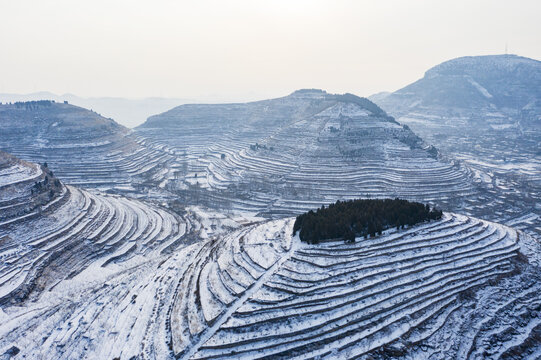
{"x": 128, "y": 112}
{"x": 288, "y": 154}
{"x": 29, "y": 117}
{"x": 486, "y": 112}
{"x": 84, "y": 148}
{"x": 307, "y": 95}
{"x": 497, "y": 82}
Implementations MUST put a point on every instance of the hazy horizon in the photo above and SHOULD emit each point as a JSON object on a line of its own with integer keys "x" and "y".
{"x": 248, "y": 50}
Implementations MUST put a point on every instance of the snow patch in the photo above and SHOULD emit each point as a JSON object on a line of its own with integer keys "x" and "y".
{"x": 481, "y": 89}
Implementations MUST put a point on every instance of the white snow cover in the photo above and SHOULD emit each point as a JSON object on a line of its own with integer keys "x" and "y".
{"x": 481, "y": 89}
{"x": 254, "y": 290}
{"x": 334, "y": 300}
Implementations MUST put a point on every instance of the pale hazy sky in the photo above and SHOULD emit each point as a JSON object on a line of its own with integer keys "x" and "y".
{"x": 245, "y": 50}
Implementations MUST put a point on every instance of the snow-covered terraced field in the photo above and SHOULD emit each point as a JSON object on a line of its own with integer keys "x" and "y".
{"x": 85, "y": 229}
{"x": 58, "y": 252}
{"x": 89, "y": 275}
{"x": 83, "y": 148}
{"x": 294, "y": 153}
{"x": 26, "y": 189}
{"x": 108, "y": 297}
{"x": 259, "y": 293}
{"x": 497, "y": 136}
{"x": 118, "y": 311}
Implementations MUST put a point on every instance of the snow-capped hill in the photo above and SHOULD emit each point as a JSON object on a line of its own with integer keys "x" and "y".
{"x": 102, "y": 276}
{"x": 285, "y": 155}
{"x": 83, "y": 147}
{"x": 261, "y": 293}
{"x": 304, "y": 102}
{"x": 35, "y": 116}
{"x": 471, "y": 83}
{"x": 485, "y": 111}
{"x": 483, "y": 65}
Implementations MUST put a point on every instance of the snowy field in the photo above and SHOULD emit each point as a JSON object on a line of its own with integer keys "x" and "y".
{"x": 260, "y": 293}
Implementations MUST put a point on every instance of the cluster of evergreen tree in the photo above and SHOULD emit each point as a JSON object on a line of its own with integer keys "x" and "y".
{"x": 31, "y": 105}
{"x": 259, "y": 146}
{"x": 365, "y": 217}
